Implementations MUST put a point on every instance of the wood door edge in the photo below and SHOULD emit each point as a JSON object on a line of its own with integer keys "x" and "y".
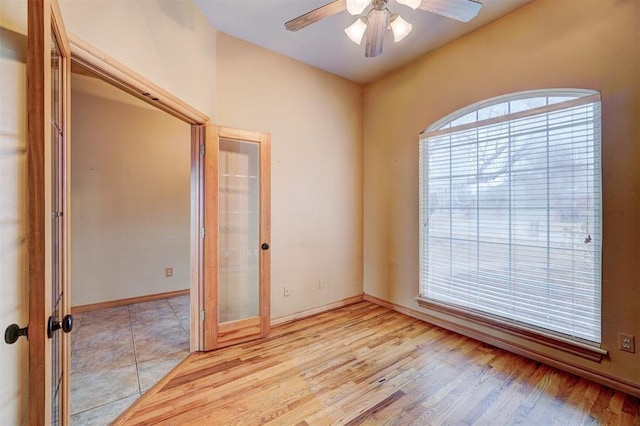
{"x": 210, "y": 180}
{"x": 38, "y": 104}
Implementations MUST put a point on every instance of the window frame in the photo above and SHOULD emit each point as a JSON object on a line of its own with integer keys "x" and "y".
{"x": 531, "y": 333}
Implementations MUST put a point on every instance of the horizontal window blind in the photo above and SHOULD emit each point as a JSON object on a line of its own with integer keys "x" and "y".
{"x": 510, "y": 213}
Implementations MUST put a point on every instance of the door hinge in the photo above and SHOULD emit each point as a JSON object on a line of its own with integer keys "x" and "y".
{"x": 202, "y": 315}
{"x": 202, "y": 232}
{"x": 202, "y": 149}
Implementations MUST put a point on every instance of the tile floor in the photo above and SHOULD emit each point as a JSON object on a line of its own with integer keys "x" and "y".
{"x": 119, "y": 353}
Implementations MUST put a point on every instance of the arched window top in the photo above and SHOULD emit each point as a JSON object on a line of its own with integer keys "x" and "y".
{"x": 511, "y": 215}
{"x": 508, "y": 104}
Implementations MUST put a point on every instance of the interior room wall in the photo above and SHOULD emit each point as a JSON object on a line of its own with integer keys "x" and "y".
{"x": 130, "y": 196}
{"x": 169, "y": 42}
{"x": 13, "y": 209}
{"x": 315, "y": 121}
{"x": 169, "y": 37}
{"x": 590, "y": 44}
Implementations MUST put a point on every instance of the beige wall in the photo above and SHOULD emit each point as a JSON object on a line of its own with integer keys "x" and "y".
{"x": 158, "y": 40}
{"x": 588, "y": 44}
{"x": 315, "y": 121}
{"x": 13, "y": 210}
{"x": 130, "y": 196}
{"x": 169, "y": 42}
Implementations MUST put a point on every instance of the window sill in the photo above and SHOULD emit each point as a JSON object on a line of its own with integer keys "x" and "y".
{"x": 528, "y": 333}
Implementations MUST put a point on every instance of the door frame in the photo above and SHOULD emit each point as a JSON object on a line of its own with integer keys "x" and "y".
{"x": 113, "y": 72}
{"x": 119, "y": 75}
{"x": 43, "y": 19}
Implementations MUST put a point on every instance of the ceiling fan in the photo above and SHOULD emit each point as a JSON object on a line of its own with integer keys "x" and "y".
{"x": 378, "y": 18}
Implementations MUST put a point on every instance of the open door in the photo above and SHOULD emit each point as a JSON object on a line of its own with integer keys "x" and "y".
{"x": 48, "y": 66}
{"x": 237, "y": 236}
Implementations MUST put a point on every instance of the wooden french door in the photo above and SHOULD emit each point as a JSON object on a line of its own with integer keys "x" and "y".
{"x": 48, "y": 67}
{"x": 237, "y": 236}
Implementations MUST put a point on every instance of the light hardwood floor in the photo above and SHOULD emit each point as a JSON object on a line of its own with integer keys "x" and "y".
{"x": 365, "y": 364}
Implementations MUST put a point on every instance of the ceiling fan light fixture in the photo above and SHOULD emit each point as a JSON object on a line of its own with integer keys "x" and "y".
{"x": 400, "y": 28}
{"x": 355, "y": 7}
{"x": 413, "y": 4}
{"x": 356, "y": 31}
{"x": 374, "y": 24}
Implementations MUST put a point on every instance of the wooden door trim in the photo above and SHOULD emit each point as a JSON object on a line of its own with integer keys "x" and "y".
{"x": 196, "y": 293}
{"x": 119, "y": 75}
{"x": 59, "y": 28}
{"x": 238, "y": 331}
{"x": 39, "y": 106}
{"x": 44, "y": 17}
{"x": 265, "y": 231}
{"x": 210, "y": 298}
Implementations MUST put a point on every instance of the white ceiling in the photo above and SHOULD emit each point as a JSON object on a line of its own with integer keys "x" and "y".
{"x": 325, "y": 45}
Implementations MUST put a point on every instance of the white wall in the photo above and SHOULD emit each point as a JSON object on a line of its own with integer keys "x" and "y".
{"x": 13, "y": 209}
{"x": 130, "y": 196}
{"x": 591, "y": 44}
{"x": 169, "y": 42}
{"x": 315, "y": 121}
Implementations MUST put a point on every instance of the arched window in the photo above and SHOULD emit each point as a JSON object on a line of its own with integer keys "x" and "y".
{"x": 510, "y": 212}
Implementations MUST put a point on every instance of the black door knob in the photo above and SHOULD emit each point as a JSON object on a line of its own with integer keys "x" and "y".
{"x": 265, "y": 246}
{"x": 66, "y": 325}
{"x": 13, "y": 333}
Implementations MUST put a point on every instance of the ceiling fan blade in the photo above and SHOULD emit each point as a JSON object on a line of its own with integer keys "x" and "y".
{"x": 460, "y": 10}
{"x": 378, "y": 23}
{"x": 315, "y": 15}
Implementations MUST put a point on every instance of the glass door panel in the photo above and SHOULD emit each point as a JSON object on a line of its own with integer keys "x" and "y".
{"x": 236, "y": 292}
{"x": 238, "y": 230}
{"x": 57, "y": 202}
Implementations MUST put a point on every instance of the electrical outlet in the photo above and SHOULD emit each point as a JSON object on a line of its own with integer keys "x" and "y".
{"x": 321, "y": 284}
{"x": 168, "y": 272}
{"x": 626, "y": 342}
{"x": 287, "y": 291}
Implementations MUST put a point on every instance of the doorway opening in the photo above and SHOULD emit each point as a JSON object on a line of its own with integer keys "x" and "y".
{"x": 129, "y": 269}
{"x": 203, "y": 190}
{"x": 154, "y": 189}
